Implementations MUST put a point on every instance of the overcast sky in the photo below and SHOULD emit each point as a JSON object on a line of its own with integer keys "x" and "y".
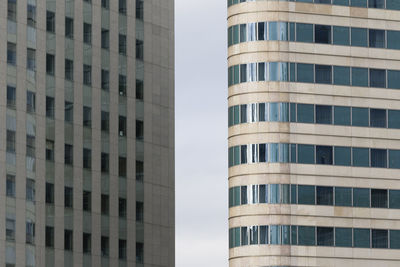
{"x": 201, "y": 133}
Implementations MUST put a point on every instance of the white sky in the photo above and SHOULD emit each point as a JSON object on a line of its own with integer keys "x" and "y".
{"x": 201, "y": 133}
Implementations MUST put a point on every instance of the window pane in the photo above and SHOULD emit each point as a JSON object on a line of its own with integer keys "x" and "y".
{"x": 395, "y": 239}
{"x": 343, "y": 237}
{"x": 306, "y": 194}
{"x": 262, "y": 31}
{"x": 379, "y": 238}
{"x": 379, "y": 198}
{"x": 253, "y": 235}
{"x": 342, "y": 115}
{"x": 283, "y": 152}
{"x": 360, "y": 157}
{"x": 263, "y": 195}
{"x": 359, "y": 35}
{"x": 377, "y": 118}
{"x": 304, "y": 32}
{"x": 306, "y": 235}
{"x": 324, "y": 155}
{"x": 324, "y": 195}
{"x": 379, "y": 158}
{"x": 305, "y": 154}
{"x": 342, "y": 156}
{"x": 393, "y": 79}
{"x": 263, "y": 153}
{"x": 341, "y": 35}
{"x": 243, "y": 33}
{"x": 359, "y": 3}
{"x": 243, "y": 113}
{"x": 376, "y": 37}
{"x": 376, "y": 3}
{"x": 305, "y": 73}
{"x": 243, "y": 73}
{"x": 361, "y": 238}
{"x": 343, "y": 196}
{"x": 324, "y": 236}
{"x": 360, "y": 117}
{"x": 273, "y": 153}
{"x": 273, "y": 112}
{"x": 322, "y": 34}
{"x": 274, "y": 236}
{"x": 293, "y": 235}
{"x": 243, "y": 195}
{"x": 361, "y": 197}
{"x": 394, "y": 199}
{"x": 377, "y": 78}
{"x": 274, "y": 194}
{"x": 285, "y": 234}
{"x": 264, "y": 234}
{"x": 323, "y": 74}
{"x": 359, "y": 77}
{"x": 393, "y": 4}
{"x": 277, "y": 31}
{"x": 305, "y": 113}
{"x": 261, "y": 71}
{"x": 323, "y": 114}
{"x": 284, "y": 108}
{"x": 393, "y": 38}
{"x": 341, "y": 75}
{"x": 243, "y": 154}
{"x": 394, "y": 159}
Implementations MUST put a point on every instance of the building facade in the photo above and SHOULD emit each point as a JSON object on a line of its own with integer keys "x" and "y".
{"x": 314, "y": 132}
{"x": 87, "y": 136}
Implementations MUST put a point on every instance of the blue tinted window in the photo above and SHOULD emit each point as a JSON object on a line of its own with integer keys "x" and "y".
{"x": 273, "y": 152}
{"x": 243, "y": 73}
{"x": 261, "y": 71}
{"x": 376, "y": 3}
{"x": 305, "y": 73}
{"x": 277, "y": 31}
{"x": 243, "y": 33}
{"x": 341, "y": 2}
{"x": 244, "y": 236}
{"x": 341, "y": 35}
{"x": 361, "y": 197}
{"x": 293, "y": 112}
{"x": 377, "y": 38}
{"x": 394, "y": 199}
{"x": 324, "y": 155}
{"x": 341, "y": 75}
{"x": 361, "y": 238}
{"x": 359, "y": 77}
{"x": 393, "y": 79}
{"x": 273, "y": 111}
{"x": 323, "y": 114}
{"x": 393, "y": 4}
{"x": 274, "y": 235}
{"x": 342, "y": 115}
{"x": 262, "y": 112}
{"x": 293, "y": 194}
{"x": 343, "y": 237}
{"x": 342, "y": 156}
{"x": 343, "y": 196}
{"x": 263, "y": 196}
{"x": 283, "y": 152}
{"x": 236, "y": 74}
{"x": 305, "y": 113}
{"x": 360, "y": 117}
{"x": 377, "y": 117}
{"x": 378, "y": 158}
{"x": 293, "y": 153}
{"x": 394, "y": 159}
{"x": 285, "y": 234}
{"x": 304, "y": 32}
{"x": 360, "y": 157}
{"x": 377, "y": 78}
{"x": 306, "y": 194}
{"x": 325, "y": 195}
{"x": 264, "y": 234}
{"x": 305, "y": 154}
{"x": 274, "y": 194}
{"x": 395, "y": 239}
{"x": 284, "y": 108}
{"x": 359, "y": 36}
{"x": 359, "y": 3}
{"x": 323, "y": 74}
{"x": 306, "y": 235}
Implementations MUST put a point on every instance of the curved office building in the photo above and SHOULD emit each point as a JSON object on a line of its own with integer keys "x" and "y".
{"x": 314, "y": 133}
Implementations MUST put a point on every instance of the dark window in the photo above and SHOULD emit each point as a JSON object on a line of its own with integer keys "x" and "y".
{"x": 122, "y": 166}
{"x": 139, "y": 49}
{"x": 139, "y": 170}
{"x": 105, "y": 162}
{"x": 50, "y": 64}
{"x": 304, "y": 32}
{"x": 10, "y": 185}
{"x": 359, "y": 77}
{"x": 393, "y": 79}
{"x": 87, "y": 33}
{"x": 105, "y": 206}
{"x": 361, "y": 197}
{"x": 105, "y": 4}
{"x": 306, "y": 194}
{"x": 30, "y": 146}
{"x": 122, "y": 207}
{"x": 360, "y": 117}
{"x": 379, "y": 158}
{"x": 139, "y": 9}
{"x": 393, "y": 37}
{"x": 322, "y": 34}
{"x": 379, "y": 238}
{"x": 377, "y": 38}
{"x": 323, "y": 114}
{"x": 87, "y": 116}
{"x": 122, "y": 85}
{"x": 122, "y": 249}
{"x": 122, "y": 44}
{"x": 139, "y": 252}
{"x": 69, "y": 27}
{"x": 324, "y": 195}
{"x": 393, "y": 4}
{"x": 341, "y": 75}
{"x": 69, "y": 111}
{"x": 50, "y": 107}
{"x": 122, "y": 6}
{"x": 105, "y": 121}
{"x": 11, "y": 96}
{"x": 395, "y": 239}
{"x": 12, "y": 10}
{"x": 105, "y": 79}
{"x": 87, "y": 158}
{"x": 69, "y": 69}
{"x": 105, "y": 246}
{"x": 262, "y": 31}
{"x": 30, "y": 190}
{"x": 87, "y": 243}
{"x": 139, "y": 90}
{"x": 324, "y": 236}
{"x": 68, "y": 197}
{"x": 122, "y": 125}
{"x": 343, "y": 196}
{"x": 49, "y": 150}
{"x": 87, "y": 74}
{"x": 68, "y": 239}
{"x": 342, "y": 156}
{"x": 10, "y": 141}
{"x": 49, "y": 193}
{"x": 87, "y": 201}
{"x": 139, "y": 211}
{"x": 31, "y": 59}
{"x": 49, "y": 236}
{"x": 30, "y": 101}
{"x": 305, "y": 154}
{"x": 139, "y": 130}
{"x": 50, "y": 21}
{"x": 10, "y": 230}
{"x": 376, "y": 3}
{"x": 324, "y": 155}
{"x": 394, "y": 159}
{"x": 377, "y": 78}
{"x": 11, "y": 53}
{"x": 105, "y": 38}
{"x": 360, "y": 157}
{"x": 379, "y": 198}
{"x": 323, "y": 74}
{"x": 361, "y": 238}
{"x": 68, "y": 154}
{"x": 377, "y": 118}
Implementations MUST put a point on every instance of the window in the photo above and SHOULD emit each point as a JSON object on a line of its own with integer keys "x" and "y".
{"x": 323, "y": 74}
{"x": 10, "y": 185}
{"x": 69, "y": 27}
{"x": 139, "y": 9}
{"x": 87, "y": 243}
{"x": 323, "y": 114}
{"x": 10, "y": 229}
{"x": 11, "y": 96}
{"x": 122, "y": 44}
{"x": 306, "y": 235}
{"x": 87, "y": 200}
{"x": 377, "y": 38}
{"x": 68, "y": 239}
{"x": 105, "y": 79}
{"x": 361, "y": 197}
{"x": 122, "y": 166}
{"x": 139, "y": 170}
{"x": 378, "y": 158}
{"x": 104, "y": 162}
{"x": 306, "y": 195}
{"x": 305, "y": 154}
{"x": 377, "y": 78}
{"x": 360, "y": 157}
{"x": 139, "y": 129}
{"x": 342, "y": 115}
{"x": 30, "y": 190}
{"x": 11, "y": 53}
{"x": 49, "y": 193}
{"x": 87, "y": 74}
{"x": 377, "y": 118}
{"x": 30, "y": 101}
{"x": 122, "y": 208}
{"x": 324, "y": 155}
{"x": 105, "y": 204}
{"x": 359, "y": 77}
{"x": 105, "y": 4}
{"x": 87, "y": 116}
{"x": 139, "y": 249}
{"x": 122, "y": 249}
{"x": 393, "y": 4}
{"x": 139, "y": 211}
{"x": 105, "y": 247}
{"x": 68, "y": 154}
{"x": 105, "y": 121}
{"x": 122, "y": 126}
{"x": 69, "y": 111}
{"x": 105, "y": 39}
{"x": 376, "y": 4}
{"x": 30, "y": 146}
{"x": 277, "y": 31}
{"x": 324, "y": 236}
{"x": 30, "y": 232}
{"x": 122, "y": 85}
{"x": 393, "y": 39}
{"x": 394, "y": 159}
{"x": 68, "y": 197}
{"x": 10, "y": 141}
{"x": 305, "y": 113}
{"x": 343, "y": 237}
{"x": 87, "y": 33}
{"x": 341, "y": 35}
{"x": 50, "y": 64}
{"x": 305, "y": 73}
{"x": 31, "y": 59}
{"x": 341, "y": 75}
{"x": 360, "y": 117}
{"x": 139, "y": 90}
{"x": 322, "y": 34}
{"x": 379, "y": 198}
{"x": 395, "y": 239}
{"x": 324, "y": 195}
{"x": 393, "y": 79}
{"x": 87, "y": 158}
{"x": 304, "y": 32}
{"x": 12, "y": 10}
{"x": 122, "y": 6}
{"x": 50, "y": 107}
{"x": 31, "y": 16}
{"x": 50, "y": 21}
{"x": 49, "y": 236}
{"x": 342, "y": 156}
{"x": 139, "y": 49}
{"x": 243, "y": 32}
{"x": 359, "y": 36}
{"x": 264, "y": 234}
{"x": 69, "y": 69}
{"x": 343, "y": 196}
{"x": 49, "y": 150}
{"x": 361, "y": 238}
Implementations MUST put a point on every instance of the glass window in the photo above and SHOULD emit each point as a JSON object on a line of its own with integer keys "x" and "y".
{"x": 49, "y": 193}
{"x": 87, "y": 116}
{"x": 263, "y": 153}
{"x": 49, "y": 150}
{"x": 69, "y": 69}
{"x": 235, "y": 30}
{"x": 105, "y": 4}
{"x": 139, "y": 49}
{"x": 360, "y": 157}
{"x": 393, "y": 4}
{"x": 376, "y": 3}
{"x": 285, "y": 234}
{"x": 359, "y": 35}
{"x": 243, "y": 113}
{"x": 361, "y": 238}
{"x": 11, "y": 53}
{"x": 376, "y": 37}
{"x": 262, "y": 31}
{"x": 244, "y": 240}
{"x": 31, "y": 59}
{"x": 10, "y": 141}
{"x": 243, "y": 33}
{"x": 306, "y": 194}
{"x": 393, "y": 79}
{"x": 251, "y": 31}
{"x": 87, "y": 158}
{"x": 50, "y": 21}
{"x": 342, "y": 156}
{"x": 243, "y": 73}
{"x": 274, "y": 194}
{"x": 273, "y": 111}
{"x": 377, "y": 118}
{"x": 87, "y": 243}
{"x": 293, "y": 115}
{"x": 285, "y": 198}
{"x": 341, "y": 35}
{"x": 393, "y": 37}
{"x": 394, "y": 159}
{"x": 122, "y": 44}
{"x": 379, "y": 158}
{"x": 278, "y": 71}
{"x": 293, "y": 153}
{"x": 140, "y": 246}
{"x": 277, "y": 31}
{"x": 50, "y": 64}
{"x": 323, "y": 114}
{"x": 325, "y": 236}
{"x": 139, "y": 90}
{"x": 343, "y": 196}
{"x": 359, "y": 77}
{"x": 105, "y": 121}
{"x": 139, "y": 210}
{"x": 122, "y": 6}
{"x": 274, "y": 235}
{"x": 104, "y": 204}
{"x": 11, "y": 96}
{"x": 324, "y": 155}
{"x": 243, "y": 195}
{"x": 341, "y": 75}
{"x": 264, "y": 234}
{"x": 87, "y": 74}
{"x": 359, "y": 3}
{"x": 305, "y": 154}
{"x": 253, "y": 235}
{"x": 105, "y": 79}
{"x": 306, "y": 235}
{"x": 122, "y": 246}
{"x": 395, "y": 239}
{"x": 262, "y": 71}
{"x": 324, "y": 195}
{"x": 343, "y": 237}
{"x": 69, "y": 27}
{"x": 263, "y": 193}
{"x": 377, "y": 78}
{"x": 10, "y": 185}
{"x": 87, "y": 33}
{"x": 105, "y": 38}
{"x": 361, "y": 197}
{"x": 68, "y": 239}
{"x": 305, "y": 113}
{"x": 30, "y": 146}
{"x": 68, "y": 154}
{"x": 360, "y": 117}
{"x": 293, "y": 234}
{"x": 68, "y": 197}
{"x": 379, "y": 238}
{"x": 379, "y": 198}
{"x": 394, "y": 199}
{"x": 293, "y": 194}
{"x": 322, "y": 34}
{"x": 12, "y": 10}
{"x": 30, "y": 190}
{"x": 69, "y": 111}
{"x": 30, "y": 232}
{"x": 304, "y": 32}
{"x": 105, "y": 162}
{"x": 243, "y": 154}
{"x": 49, "y": 236}
{"x": 323, "y": 74}
{"x": 342, "y": 115}
{"x": 87, "y": 201}
{"x": 305, "y": 73}
{"x": 30, "y": 101}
